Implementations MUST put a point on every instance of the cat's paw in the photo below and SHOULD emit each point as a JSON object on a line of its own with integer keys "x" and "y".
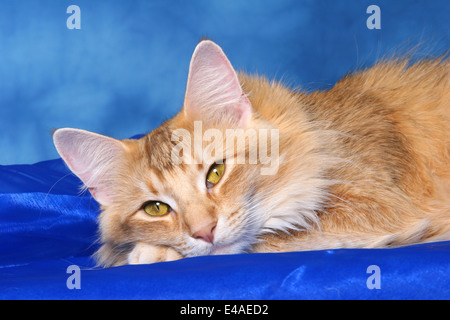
{"x": 144, "y": 253}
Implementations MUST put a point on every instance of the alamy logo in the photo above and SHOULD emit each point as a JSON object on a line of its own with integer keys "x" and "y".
{"x": 374, "y": 20}
{"x": 241, "y": 146}
{"x": 374, "y": 281}
{"x": 74, "y": 20}
{"x": 73, "y": 281}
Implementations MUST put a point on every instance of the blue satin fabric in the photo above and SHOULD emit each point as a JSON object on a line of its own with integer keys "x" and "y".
{"x": 46, "y": 226}
{"x": 43, "y": 215}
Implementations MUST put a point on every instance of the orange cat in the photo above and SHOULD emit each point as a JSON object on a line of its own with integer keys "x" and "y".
{"x": 364, "y": 164}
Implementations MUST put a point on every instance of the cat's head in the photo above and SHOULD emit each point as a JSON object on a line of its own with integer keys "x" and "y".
{"x": 200, "y": 183}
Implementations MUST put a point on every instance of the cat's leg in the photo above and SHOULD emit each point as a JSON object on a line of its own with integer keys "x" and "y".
{"x": 144, "y": 253}
{"x": 316, "y": 240}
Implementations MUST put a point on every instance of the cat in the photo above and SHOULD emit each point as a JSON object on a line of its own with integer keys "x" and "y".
{"x": 364, "y": 164}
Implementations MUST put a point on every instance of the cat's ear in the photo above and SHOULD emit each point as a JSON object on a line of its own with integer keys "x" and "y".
{"x": 213, "y": 90}
{"x": 90, "y": 156}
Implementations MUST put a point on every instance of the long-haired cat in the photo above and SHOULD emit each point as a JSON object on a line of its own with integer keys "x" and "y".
{"x": 362, "y": 165}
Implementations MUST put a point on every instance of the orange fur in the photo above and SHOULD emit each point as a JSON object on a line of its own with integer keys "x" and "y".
{"x": 393, "y": 126}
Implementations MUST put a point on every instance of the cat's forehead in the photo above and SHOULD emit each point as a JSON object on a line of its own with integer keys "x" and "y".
{"x": 162, "y": 148}
{"x": 157, "y": 148}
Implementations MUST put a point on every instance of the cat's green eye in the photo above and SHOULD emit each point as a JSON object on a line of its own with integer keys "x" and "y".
{"x": 214, "y": 175}
{"x": 156, "y": 208}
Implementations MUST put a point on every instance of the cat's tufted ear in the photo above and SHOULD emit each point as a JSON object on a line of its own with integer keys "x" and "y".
{"x": 213, "y": 91}
{"x": 90, "y": 156}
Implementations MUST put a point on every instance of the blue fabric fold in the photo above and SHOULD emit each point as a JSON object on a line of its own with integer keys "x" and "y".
{"x": 415, "y": 272}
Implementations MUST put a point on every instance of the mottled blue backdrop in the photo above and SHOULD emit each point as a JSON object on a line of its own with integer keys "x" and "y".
{"x": 125, "y": 70}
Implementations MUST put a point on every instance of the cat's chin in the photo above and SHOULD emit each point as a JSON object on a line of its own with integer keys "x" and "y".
{"x": 225, "y": 249}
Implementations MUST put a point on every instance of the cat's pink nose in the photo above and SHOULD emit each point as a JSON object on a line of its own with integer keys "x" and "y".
{"x": 205, "y": 233}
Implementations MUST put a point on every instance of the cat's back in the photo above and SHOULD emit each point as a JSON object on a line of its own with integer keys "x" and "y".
{"x": 409, "y": 102}
{"x": 398, "y": 114}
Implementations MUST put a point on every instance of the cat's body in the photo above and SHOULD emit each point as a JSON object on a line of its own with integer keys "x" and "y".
{"x": 364, "y": 164}
{"x": 389, "y": 145}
